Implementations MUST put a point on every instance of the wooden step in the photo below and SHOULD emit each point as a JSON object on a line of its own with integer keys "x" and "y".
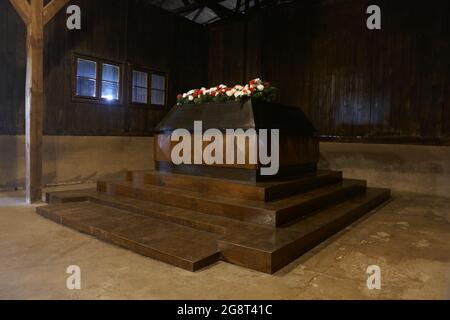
{"x": 58, "y": 197}
{"x": 192, "y": 240}
{"x": 205, "y": 222}
{"x": 269, "y": 251}
{"x": 178, "y": 245}
{"x": 273, "y": 213}
{"x": 259, "y": 191}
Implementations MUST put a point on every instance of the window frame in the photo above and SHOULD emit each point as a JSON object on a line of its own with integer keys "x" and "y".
{"x": 75, "y": 79}
{"x": 99, "y": 80}
{"x": 149, "y": 72}
{"x": 138, "y": 69}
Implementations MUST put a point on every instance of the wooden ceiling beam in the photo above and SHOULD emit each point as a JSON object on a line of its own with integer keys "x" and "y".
{"x": 238, "y": 6}
{"x": 52, "y": 8}
{"x": 214, "y": 5}
{"x": 221, "y": 11}
{"x": 188, "y": 8}
{"x": 218, "y": 9}
{"x": 262, "y": 4}
{"x": 199, "y": 12}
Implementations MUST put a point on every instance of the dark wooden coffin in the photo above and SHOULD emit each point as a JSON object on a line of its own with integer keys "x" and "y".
{"x": 299, "y": 146}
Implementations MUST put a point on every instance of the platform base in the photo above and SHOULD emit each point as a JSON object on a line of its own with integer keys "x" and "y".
{"x": 192, "y": 222}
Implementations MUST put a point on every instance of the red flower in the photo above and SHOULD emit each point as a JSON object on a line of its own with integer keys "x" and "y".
{"x": 179, "y": 97}
{"x": 197, "y": 93}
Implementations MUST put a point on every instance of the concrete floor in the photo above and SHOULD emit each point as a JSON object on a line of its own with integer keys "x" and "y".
{"x": 409, "y": 239}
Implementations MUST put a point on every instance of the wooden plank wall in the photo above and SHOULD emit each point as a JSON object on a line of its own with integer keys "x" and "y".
{"x": 391, "y": 85}
{"x": 12, "y": 70}
{"x": 128, "y": 32}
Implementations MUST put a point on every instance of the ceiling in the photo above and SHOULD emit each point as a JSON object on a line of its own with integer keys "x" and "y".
{"x": 209, "y": 11}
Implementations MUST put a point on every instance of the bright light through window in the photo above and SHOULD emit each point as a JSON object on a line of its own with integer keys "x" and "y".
{"x": 97, "y": 81}
{"x": 110, "y": 82}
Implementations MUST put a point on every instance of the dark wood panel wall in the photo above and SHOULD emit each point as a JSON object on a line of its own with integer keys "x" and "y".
{"x": 129, "y": 32}
{"x": 389, "y": 85}
{"x": 12, "y": 70}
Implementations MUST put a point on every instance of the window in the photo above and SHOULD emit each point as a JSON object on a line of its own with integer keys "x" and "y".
{"x": 101, "y": 81}
{"x": 110, "y": 82}
{"x": 158, "y": 89}
{"x": 148, "y": 88}
{"x": 86, "y": 78}
{"x": 97, "y": 80}
{"x": 140, "y": 87}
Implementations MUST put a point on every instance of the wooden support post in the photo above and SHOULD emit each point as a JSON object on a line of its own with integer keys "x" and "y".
{"x": 34, "y": 102}
{"x": 35, "y": 17}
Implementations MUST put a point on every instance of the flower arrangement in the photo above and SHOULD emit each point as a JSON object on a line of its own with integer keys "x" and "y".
{"x": 256, "y": 88}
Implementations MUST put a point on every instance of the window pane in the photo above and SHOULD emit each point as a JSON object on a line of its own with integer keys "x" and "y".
{"x": 140, "y": 79}
{"x": 86, "y": 87}
{"x": 86, "y": 68}
{"x": 110, "y": 90}
{"x": 158, "y": 97}
{"x": 158, "y": 82}
{"x": 140, "y": 95}
{"x": 110, "y": 73}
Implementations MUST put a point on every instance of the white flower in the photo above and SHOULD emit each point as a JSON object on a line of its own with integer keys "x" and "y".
{"x": 190, "y": 92}
{"x": 191, "y": 98}
{"x": 231, "y": 92}
{"x": 238, "y": 94}
{"x": 185, "y": 95}
{"x": 213, "y": 89}
{"x": 260, "y": 87}
{"x": 222, "y": 86}
{"x": 238, "y": 87}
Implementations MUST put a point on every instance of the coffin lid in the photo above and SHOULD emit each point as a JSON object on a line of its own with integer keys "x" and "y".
{"x": 247, "y": 114}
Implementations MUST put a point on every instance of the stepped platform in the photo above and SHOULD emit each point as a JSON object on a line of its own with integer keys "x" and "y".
{"x": 191, "y": 222}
